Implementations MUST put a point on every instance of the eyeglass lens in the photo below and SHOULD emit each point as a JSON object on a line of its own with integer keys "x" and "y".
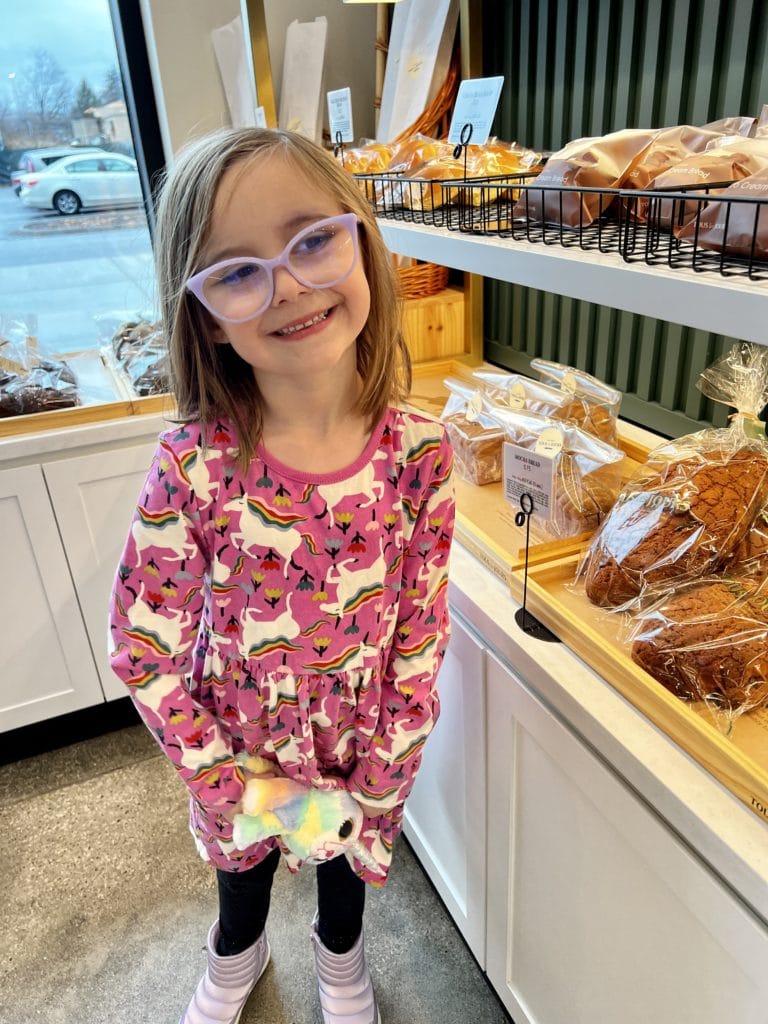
{"x": 319, "y": 257}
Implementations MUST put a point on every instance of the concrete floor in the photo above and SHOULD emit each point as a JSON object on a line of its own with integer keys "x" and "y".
{"x": 107, "y": 906}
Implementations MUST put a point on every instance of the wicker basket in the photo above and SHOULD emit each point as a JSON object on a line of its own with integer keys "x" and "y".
{"x": 421, "y": 279}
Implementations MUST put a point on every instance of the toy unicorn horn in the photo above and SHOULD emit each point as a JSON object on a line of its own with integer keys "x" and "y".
{"x": 314, "y": 824}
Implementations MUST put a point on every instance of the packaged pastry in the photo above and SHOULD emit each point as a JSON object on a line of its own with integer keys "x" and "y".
{"x": 736, "y": 228}
{"x": 688, "y": 508}
{"x": 29, "y": 382}
{"x": 416, "y": 151}
{"x": 477, "y": 439}
{"x": 708, "y": 641}
{"x": 370, "y": 158}
{"x": 729, "y": 161}
{"x": 138, "y": 346}
{"x": 672, "y": 146}
{"x": 578, "y": 405}
{"x": 750, "y": 557}
{"x": 594, "y": 405}
{"x": 584, "y": 472}
{"x": 602, "y": 162}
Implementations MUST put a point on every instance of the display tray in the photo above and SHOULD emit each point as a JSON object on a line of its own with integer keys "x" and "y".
{"x": 739, "y": 759}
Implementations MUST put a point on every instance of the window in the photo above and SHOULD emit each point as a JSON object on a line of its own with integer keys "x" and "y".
{"x": 76, "y": 261}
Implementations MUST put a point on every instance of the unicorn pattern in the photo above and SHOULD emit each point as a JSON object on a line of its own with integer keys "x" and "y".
{"x": 280, "y": 614}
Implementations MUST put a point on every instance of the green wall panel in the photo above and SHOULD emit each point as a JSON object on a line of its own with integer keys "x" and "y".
{"x": 587, "y": 67}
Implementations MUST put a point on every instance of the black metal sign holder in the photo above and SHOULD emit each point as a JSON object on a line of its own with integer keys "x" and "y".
{"x": 527, "y": 622}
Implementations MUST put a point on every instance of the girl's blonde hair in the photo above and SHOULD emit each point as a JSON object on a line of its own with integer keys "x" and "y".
{"x": 210, "y": 380}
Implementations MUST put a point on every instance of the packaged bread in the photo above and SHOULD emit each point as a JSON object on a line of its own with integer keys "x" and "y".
{"x": 684, "y": 513}
{"x": 672, "y": 146}
{"x": 584, "y": 472}
{"x": 708, "y": 641}
{"x": 602, "y": 163}
{"x": 370, "y": 158}
{"x": 729, "y": 224}
{"x": 715, "y": 169}
{"x": 579, "y": 405}
{"x": 477, "y": 439}
{"x": 750, "y": 557}
{"x": 415, "y": 151}
{"x": 593, "y": 404}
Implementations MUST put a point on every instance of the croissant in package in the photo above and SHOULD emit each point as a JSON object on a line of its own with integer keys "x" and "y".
{"x": 708, "y": 641}
{"x": 686, "y": 511}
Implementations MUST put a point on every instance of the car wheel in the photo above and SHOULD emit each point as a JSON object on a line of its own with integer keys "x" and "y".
{"x": 67, "y": 202}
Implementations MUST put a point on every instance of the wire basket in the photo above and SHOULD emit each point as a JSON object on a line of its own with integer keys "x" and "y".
{"x": 430, "y": 201}
{"x": 421, "y": 280}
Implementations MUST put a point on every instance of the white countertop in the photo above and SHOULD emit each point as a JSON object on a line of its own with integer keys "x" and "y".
{"x": 706, "y": 816}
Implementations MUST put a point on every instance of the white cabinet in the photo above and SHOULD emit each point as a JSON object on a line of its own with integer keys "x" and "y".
{"x": 48, "y": 666}
{"x": 597, "y": 913}
{"x": 445, "y": 813}
{"x": 94, "y": 497}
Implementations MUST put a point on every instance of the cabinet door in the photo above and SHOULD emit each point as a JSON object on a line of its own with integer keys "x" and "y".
{"x": 597, "y": 913}
{"x": 48, "y": 667}
{"x": 445, "y": 813}
{"x": 94, "y": 497}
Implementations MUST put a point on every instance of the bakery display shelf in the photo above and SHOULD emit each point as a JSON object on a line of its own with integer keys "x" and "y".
{"x": 485, "y": 520}
{"x": 739, "y": 760}
{"x": 80, "y": 415}
{"x": 733, "y": 306}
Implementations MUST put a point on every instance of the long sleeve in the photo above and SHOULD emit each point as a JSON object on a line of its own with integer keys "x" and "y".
{"x": 155, "y": 615}
{"x": 386, "y": 766}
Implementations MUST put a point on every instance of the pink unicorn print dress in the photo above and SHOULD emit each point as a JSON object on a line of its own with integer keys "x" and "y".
{"x": 298, "y": 616}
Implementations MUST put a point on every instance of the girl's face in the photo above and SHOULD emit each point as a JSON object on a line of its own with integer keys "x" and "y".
{"x": 304, "y": 330}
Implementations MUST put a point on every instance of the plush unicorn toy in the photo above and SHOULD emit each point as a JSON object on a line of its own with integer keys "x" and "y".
{"x": 314, "y": 824}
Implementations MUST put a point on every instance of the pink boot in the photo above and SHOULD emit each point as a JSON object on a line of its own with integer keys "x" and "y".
{"x": 223, "y": 990}
{"x": 346, "y": 990}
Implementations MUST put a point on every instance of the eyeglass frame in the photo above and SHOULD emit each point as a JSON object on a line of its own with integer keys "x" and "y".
{"x": 195, "y": 283}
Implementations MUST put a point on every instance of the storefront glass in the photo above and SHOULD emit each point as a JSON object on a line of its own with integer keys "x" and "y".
{"x": 75, "y": 249}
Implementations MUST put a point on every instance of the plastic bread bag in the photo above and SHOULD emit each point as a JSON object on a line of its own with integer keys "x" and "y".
{"x": 737, "y": 228}
{"x": 29, "y": 382}
{"x": 683, "y": 513}
{"x": 594, "y": 404}
{"x": 750, "y": 557}
{"x": 708, "y": 641}
{"x": 477, "y": 439}
{"x": 369, "y": 158}
{"x": 730, "y": 160}
{"x": 573, "y": 477}
{"x": 672, "y": 146}
{"x": 602, "y": 162}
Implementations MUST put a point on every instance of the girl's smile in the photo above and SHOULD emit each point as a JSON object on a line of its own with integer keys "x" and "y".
{"x": 306, "y": 326}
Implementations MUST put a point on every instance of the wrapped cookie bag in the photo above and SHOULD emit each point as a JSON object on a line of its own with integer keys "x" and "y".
{"x": 685, "y": 512}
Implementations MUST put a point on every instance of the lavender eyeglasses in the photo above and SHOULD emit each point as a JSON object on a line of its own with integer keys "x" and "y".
{"x": 319, "y": 256}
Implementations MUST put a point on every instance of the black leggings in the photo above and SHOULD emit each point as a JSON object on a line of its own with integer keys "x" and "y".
{"x": 244, "y": 904}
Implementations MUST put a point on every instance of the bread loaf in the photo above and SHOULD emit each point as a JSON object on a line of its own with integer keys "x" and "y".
{"x": 709, "y": 641}
{"x": 677, "y": 519}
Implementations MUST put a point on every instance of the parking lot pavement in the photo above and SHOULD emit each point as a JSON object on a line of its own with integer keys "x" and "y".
{"x": 71, "y": 277}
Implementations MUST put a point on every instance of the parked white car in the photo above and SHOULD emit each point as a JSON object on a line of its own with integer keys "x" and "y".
{"x": 83, "y": 182}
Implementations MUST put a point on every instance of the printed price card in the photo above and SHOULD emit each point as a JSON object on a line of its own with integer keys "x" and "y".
{"x": 476, "y": 105}
{"x": 260, "y": 118}
{"x": 531, "y": 472}
{"x": 340, "y": 114}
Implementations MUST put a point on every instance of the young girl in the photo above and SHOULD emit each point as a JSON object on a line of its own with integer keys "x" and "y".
{"x": 283, "y": 588}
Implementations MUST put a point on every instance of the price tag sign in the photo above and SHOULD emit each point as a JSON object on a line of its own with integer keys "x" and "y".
{"x": 476, "y": 105}
{"x": 260, "y": 118}
{"x": 527, "y": 471}
{"x": 340, "y": 114}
